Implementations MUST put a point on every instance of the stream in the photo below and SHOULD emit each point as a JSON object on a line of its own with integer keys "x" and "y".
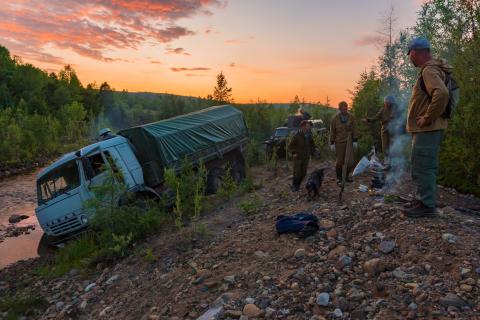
{"x": 18, "y": 196}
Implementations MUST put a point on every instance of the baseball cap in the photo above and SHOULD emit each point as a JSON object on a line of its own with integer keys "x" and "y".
{"x": 418, "y": 43}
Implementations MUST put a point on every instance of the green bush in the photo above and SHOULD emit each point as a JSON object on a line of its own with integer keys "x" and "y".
{"x": 22, "y": 305}
{"x": 252, "y": 206}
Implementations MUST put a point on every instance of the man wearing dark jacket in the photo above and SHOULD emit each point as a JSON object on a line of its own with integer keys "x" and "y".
{"x": 301, "y": 147}
{"x": 426, "y": 124}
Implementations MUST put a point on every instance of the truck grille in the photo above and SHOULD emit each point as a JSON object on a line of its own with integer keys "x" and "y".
{"x": 65, "y": 226}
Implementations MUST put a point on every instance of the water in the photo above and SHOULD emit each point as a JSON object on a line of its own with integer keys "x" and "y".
{"x": 18, "y": 196}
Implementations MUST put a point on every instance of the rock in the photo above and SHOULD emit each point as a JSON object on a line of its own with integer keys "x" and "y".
{"x": 112, "y": 279}
{"x": 355, "y": 294}
{"x": 450, "y": 238}
{"x": 198, "y": 280}
{"x": 332, "y": 234}
{"x": 300, "y": 253}
{"x": 338, "y": 313}
{"x": 359, "y": 314}
{"x": 452, "y": 300}
{"x": 343, "y": 262}
{"x": 413, "y": 306}
{"x": 59, "y": 305}
{"x": 90, "y": 287}
{"x": 104, "y": 312}
{"x": 465, "y": 271}
{"x": 387, "y": 246}
{"x": 399, "y": 274}
{"x": 466, "y": 287}
{"x": 251, "y": 310}
{"x": 73, "y": 273}
{"x": 323, "y": 299}
{"x": 233, "y": 313}
{"x": 261, "y": 254}
{"x": 249, "y": 300}
{"x": 337, "y": 251}
{"x": 243, "y": 317}
{"x": 212, "y": 313}
{"x": 83, "y": 305}
{"x": 229, "y": 279}
{"x": 327, "y": 224}
{"x": 373, "y": 266}
{"x": 15, "y": 218}
{"x": 269, "y": 312}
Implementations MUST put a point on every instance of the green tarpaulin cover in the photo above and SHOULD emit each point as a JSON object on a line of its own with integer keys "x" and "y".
{"x": 168, "y": 141}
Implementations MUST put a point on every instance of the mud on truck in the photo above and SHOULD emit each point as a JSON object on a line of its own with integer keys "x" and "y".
{"x": 217, "y": 136}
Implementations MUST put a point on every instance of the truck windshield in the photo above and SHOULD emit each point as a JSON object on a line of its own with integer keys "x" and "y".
{"x": 281, "y": 132}
{"x": 58, "y": 181}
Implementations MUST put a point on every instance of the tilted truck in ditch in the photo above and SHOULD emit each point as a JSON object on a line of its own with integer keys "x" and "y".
{"x": 217, "y": 136}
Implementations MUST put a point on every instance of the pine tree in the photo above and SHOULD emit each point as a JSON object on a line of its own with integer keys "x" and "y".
{"x": 222, "y": 92}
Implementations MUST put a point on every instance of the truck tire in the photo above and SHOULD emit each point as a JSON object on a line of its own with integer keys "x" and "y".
{"x": 45, "y": 246}
{"x": 214, "y": 180}
{"x": 238, "y": 168}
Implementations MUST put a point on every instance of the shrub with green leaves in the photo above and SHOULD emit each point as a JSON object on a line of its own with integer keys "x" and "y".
{"x": 22, "y": 305}
{"x": 251, "y": 206}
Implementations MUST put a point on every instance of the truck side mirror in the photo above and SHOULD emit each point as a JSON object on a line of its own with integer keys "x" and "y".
{"x": 87, "y": 167}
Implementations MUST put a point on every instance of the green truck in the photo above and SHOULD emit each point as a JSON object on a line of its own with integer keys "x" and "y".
{"x": 216, "y": 136}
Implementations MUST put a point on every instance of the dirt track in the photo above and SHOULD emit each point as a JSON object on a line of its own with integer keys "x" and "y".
{"x": 243, "y": 261}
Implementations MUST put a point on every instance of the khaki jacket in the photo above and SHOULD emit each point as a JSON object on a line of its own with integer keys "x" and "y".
{"x": 433, "y": 73}
{"x": 301, "y": 145}
{"x": 339, "y": 131}
{"x": 384, "y": 115}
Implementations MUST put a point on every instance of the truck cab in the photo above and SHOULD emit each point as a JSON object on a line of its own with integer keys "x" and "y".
{"x": 65, "y": 186}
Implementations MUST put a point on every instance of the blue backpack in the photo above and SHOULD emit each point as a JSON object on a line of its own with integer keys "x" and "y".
{"x": 303, "y": 224}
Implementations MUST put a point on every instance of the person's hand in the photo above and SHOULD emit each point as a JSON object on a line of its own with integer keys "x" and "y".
{"x": 332, "y": 147}
{"x": 421, "y": 121}
{"x": 355, "y": 145}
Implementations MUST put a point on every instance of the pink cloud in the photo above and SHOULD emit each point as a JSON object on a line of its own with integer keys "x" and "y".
{"x": 169, "y": 50}
{"x": 93, "y": 28}
{"x": 240, "y": 41}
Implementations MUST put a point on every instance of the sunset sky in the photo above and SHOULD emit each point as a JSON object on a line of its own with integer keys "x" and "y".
{"x": 268, "y": 49}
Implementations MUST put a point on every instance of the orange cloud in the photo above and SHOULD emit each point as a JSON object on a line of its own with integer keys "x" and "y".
{"x": 190, "y": 69}
{"x": 95, "y": 27}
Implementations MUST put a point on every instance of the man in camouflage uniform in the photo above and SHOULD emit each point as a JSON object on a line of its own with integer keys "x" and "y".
{"x": 341, "y": 126}
{"x": 385, "y": 115}
{"x": 426, "y": 123}
{"x": 301, "y": 147}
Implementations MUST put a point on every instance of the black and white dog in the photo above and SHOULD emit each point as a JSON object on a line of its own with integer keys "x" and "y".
{"x": 314, "y": 183}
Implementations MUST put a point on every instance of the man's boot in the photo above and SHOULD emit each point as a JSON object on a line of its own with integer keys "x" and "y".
{"x": 420, "y": 211}
{"x": 339, "y": 175}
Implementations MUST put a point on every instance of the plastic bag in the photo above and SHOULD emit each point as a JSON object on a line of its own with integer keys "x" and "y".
{"x": 361, "y": 166}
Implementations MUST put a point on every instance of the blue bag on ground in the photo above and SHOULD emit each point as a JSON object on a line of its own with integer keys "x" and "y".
{"x": 303, "y": 224}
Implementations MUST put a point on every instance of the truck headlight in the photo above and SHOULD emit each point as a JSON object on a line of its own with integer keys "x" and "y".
{"x": 83, "y": 219}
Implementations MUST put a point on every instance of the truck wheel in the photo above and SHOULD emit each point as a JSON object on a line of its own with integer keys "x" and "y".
{"x": 45, "y": 246}
{"x": 238, "y": 169}
{"x": 214, "y": 180}
{"x": 269, "y": 151}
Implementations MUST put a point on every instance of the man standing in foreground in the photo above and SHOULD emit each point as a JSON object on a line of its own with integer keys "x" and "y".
{"x": 342, "y": 125}
{"x": 301, "y": 146}
{"x": 426, "y": 123}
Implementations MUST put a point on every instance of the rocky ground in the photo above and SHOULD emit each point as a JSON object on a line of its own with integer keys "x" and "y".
{"x": 368, "y": 261}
